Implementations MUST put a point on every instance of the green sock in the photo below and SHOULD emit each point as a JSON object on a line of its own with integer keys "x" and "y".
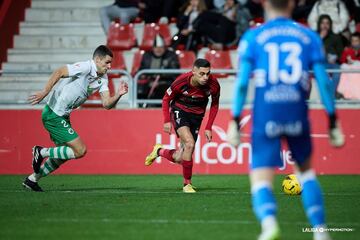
{"x": 49, "y": 166}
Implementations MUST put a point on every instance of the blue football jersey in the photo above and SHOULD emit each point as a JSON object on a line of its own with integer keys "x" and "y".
{"x": 281, "y": 53}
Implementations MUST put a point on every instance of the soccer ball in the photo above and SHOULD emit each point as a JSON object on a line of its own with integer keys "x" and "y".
{"x": 291, "y": 185}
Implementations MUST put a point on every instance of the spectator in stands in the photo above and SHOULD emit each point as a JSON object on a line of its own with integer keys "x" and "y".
{"x": 353, "y": 7}
{"x": 255, "y": 7}
{"x": 243, "y": 20}
{"x": 218, "y": 27}
{"x": 332, "y": 44}
{"x": 154, "y": 86}
{"x": 187, "y": 34}
{"x": 349, "y": 85}
{"x": 351, "y": 54}
{"x": 238, "y": 12}
{"x": 302, "y": 9}
{"x": 334, "y": 8}
{"x": 123, "y": 10}
{"x": 160, "y": 10}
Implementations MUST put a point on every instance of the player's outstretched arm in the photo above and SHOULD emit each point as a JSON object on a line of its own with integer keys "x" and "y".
{"x": 167, "y": 127}
{"x": 240, "y": 92}
{"x": 54, "y": 78}
{"x": 208, "y": 135}
{"x": 215, "y": 97}
{"x": 110, "y": 102}
{"x": 326, "y": 93}
{"x": 233, "y": 132}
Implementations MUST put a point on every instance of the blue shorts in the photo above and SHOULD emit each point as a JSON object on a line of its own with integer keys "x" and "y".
{"x": 266, "y": 151}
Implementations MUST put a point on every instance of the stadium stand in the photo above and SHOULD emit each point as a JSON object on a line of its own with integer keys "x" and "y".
{"x": 219, "y": 60}
{"x": 186, "y": 58}
{"x": 118, "y": 60}
{"x": 56, "y": 33}
{"x": 136, "y": 61}
{"x": 150, "y": 31}
{"x": 121, "y": 37}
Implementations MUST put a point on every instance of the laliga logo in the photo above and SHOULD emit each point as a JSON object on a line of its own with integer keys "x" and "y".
{"x": 224, "y": 152}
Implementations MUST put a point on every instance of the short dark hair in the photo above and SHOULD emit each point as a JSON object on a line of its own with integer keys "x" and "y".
{"x": 356, "y": 34}
{"x": 200, "y": 62}
{"x": 102, "y": 51}
{"x": 279, "y": 4}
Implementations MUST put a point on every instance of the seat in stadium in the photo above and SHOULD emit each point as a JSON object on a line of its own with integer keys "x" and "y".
{"x": 121, "y": 37}
{"x": 219, "y": 60}
{"x": 118, "y": 61}
{"x": 186, "y": 58}
{"x": 150, "y": 31}
{"x": 136, "y": 61}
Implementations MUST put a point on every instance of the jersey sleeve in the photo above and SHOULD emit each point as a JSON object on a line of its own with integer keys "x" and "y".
{"x": 170, "y": 94}
{"x": 317, "y": 52}
{"x": 215, "y": 96}
{"x": 247, "y": 48}
{"x": 78, "y": 68}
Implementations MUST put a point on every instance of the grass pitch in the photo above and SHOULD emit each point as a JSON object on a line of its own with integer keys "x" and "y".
{"x": 153, "y": 207}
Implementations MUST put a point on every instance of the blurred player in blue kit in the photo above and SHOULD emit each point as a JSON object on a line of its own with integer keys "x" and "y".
{"x": 279, "y": 55}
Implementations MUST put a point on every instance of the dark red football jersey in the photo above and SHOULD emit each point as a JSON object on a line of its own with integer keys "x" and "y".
{"x": 193, "y": 99}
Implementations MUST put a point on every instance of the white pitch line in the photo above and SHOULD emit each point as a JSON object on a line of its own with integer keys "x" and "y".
{"x": 200, "y": 192}
{"x": 173, "y": 221}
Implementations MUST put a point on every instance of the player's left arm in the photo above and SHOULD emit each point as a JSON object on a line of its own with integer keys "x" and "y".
{"x": 110, "y": 102}
{"x": 326, "y": 93}
{"x": 325, "y": 87}
{"x": 214, "y": 108}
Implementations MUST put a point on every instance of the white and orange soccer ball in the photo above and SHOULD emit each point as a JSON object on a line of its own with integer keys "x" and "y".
{"x": 291, "y": 185}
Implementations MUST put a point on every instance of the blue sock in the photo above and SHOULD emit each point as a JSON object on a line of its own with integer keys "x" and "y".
{"x": 263, "y": 201}
{"x": 312, "y": 198}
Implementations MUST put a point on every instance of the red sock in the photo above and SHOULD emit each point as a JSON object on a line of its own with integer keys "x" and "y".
{"x": 167, "y": 153}
{"x": 187, "y": 171}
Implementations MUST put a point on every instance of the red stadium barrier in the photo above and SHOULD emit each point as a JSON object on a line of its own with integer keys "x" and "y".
{"x": 11, "y": 13}
{"x": 119, "y": 140}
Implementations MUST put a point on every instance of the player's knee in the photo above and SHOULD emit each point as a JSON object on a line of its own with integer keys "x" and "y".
{"x": 80, "y": 152}
{"x": 177, "y": 157}
{"x": 189, "y": 145}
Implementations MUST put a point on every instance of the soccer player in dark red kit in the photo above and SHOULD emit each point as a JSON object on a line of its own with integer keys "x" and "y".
{"x": 184, "y": 105}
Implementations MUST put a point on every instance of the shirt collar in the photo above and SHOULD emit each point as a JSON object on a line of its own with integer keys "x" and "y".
{"x": 93, "y": 68}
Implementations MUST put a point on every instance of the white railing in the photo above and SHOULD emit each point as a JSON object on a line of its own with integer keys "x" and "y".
{"x": 132, "y": 99}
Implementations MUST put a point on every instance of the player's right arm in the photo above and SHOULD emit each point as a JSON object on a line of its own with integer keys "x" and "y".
{"x": 168, "y": 97}
{"x": 59, "y": 73}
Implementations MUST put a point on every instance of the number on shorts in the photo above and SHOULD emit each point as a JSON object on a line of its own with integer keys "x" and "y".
{"x": 176, "y": 114}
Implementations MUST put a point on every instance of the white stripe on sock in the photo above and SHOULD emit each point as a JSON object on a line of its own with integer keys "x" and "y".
{"x": 259, "y": 185}
{"x": 62, "y": 156}
{"x": 307, "y": 176}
